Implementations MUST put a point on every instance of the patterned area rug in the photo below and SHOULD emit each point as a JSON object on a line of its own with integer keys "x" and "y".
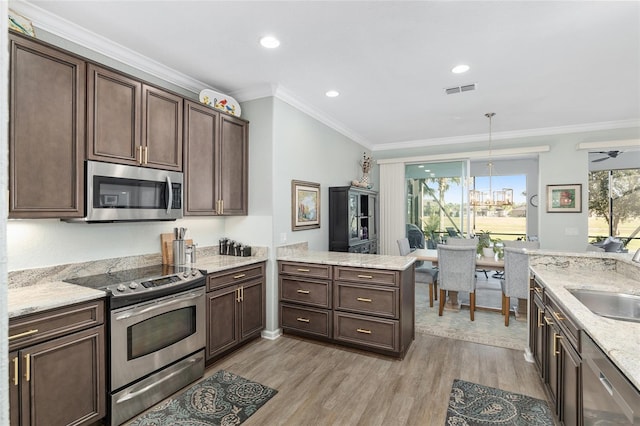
{"x": 473, "y": 404}
{"x": 488, "y": 327}
{"x": 222, "y": 399}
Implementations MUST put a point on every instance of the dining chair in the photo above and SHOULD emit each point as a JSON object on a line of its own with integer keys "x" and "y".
{"x": 462, "y": 241}
{"x": 424, "y": 274}
{"x": 529, "y": 245}
{"x": 457, "y": 267}
{"x": 516, "y": 277}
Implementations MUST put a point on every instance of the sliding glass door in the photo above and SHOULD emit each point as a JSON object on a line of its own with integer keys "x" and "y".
{"x": 436, "y": 202}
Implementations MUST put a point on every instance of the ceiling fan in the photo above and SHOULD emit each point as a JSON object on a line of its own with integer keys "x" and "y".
{"x": 610, "y": 154}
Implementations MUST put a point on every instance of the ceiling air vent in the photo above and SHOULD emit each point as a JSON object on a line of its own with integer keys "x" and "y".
{"x": 458, "y": 89}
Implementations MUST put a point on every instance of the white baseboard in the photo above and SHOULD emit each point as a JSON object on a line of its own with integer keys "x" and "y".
{"x": 528, "y": 355}
{"x": 271, "y": 335}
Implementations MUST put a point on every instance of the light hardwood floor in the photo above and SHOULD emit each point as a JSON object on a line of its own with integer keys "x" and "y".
{"x": 322, "y": 384}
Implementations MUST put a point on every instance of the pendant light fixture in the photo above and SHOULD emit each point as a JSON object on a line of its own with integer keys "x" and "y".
{"x": 492, "y": 198}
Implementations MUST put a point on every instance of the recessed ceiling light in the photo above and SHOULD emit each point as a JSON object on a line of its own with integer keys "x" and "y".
{"x": 269, "y": 42}
{"x": 332, "y": 93}
{"x": 459, "y": 69}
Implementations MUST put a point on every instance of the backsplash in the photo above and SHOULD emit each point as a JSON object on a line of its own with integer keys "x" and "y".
{"x": 34, "y": 276}
{"x": 597, "y": 262}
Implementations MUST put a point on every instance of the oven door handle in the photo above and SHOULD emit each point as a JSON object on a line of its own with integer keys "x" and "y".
{"x": 135, "y": 392}
{"x": 144, "y": 310}
{"x": 169, "y": 194}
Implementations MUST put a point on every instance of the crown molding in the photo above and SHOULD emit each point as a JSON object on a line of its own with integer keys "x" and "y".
{"x": 633, "y": 143}
{"x": 47, "y": 21}
{"x": 470, "y": 155}
{"x": 516, "y": 134}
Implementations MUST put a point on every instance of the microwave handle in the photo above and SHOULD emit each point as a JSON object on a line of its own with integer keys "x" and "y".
{"x": 170, "y": 194}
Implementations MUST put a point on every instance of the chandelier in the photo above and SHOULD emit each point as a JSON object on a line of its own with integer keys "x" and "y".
{"x": 503, "y": 197}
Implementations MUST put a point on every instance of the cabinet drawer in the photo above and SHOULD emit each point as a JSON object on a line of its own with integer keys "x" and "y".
{"x": 307, "y": 320}
{"x": 46, "y": 325}
{"x": 305, "y": 269}
{"x": 234, "y": 276}
{"x": 565, "y": 323}
{"x": 309, "y": 292}
{"x": 377, "y": 276}
{"x": 382, "y": 301}
{"x": 363, "y": 330}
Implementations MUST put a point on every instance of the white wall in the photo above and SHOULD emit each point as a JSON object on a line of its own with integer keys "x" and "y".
{"x": 564, "y": 231}
{"x": 307, "y": 150}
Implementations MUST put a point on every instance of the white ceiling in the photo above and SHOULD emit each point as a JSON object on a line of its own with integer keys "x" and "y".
{"x": 543, "y": 67}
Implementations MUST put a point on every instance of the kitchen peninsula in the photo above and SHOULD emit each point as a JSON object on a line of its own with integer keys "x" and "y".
{"x": 360, "y": 300}
{"x": 588, "y": 362}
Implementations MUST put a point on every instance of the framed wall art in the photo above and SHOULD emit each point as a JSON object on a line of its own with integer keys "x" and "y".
{"x": 305, "y": 205}
{"x": 564, "y": 198}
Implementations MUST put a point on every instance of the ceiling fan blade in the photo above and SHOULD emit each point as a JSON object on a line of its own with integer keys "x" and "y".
{"x": 600, "y": 159}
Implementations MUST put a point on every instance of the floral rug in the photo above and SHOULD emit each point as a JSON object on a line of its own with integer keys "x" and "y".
{"x": 222, "y": 399}
{"x": 473, "y": 404}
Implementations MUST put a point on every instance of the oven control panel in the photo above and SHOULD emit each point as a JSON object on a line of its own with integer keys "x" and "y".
{"x": 147, "y": 285}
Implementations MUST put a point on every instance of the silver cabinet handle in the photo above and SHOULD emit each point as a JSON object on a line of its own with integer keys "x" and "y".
{"x": 170, "y": 196}
{"x": 145, "y": 309}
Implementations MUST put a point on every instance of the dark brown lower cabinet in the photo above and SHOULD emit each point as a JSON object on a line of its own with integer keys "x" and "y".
{"x": 235, "y": 309}
{"x": 536, "y": 328}
{"x": 58, "y": 380}
{"x": 554, "y": 340}
{"x": 570, "y": 384}
{"x": 371, "y": 309}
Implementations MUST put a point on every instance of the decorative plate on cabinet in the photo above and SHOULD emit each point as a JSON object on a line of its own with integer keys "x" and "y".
{"x": 220, "y": 101}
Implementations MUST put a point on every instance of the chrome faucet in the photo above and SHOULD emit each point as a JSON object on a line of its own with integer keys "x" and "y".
{"x": 636, "y": 257}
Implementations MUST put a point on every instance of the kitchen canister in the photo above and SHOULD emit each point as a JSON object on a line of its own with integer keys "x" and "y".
{"x": 179, "y": 252}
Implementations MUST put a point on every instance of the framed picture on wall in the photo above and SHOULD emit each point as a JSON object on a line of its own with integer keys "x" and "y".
{"x": 305, "y": 205}
{"x": 564, "y": 198}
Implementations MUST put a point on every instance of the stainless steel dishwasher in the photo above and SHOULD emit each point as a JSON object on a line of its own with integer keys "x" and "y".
{"x": 608, "y": 398}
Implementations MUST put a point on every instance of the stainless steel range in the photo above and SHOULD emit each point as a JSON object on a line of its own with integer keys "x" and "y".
{"x": 157, "y": 333}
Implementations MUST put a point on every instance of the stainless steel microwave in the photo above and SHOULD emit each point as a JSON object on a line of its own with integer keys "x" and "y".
{"x": 119, "y": 193}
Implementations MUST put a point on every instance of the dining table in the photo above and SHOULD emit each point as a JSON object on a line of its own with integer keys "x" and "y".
{"x": 482, "y": 263}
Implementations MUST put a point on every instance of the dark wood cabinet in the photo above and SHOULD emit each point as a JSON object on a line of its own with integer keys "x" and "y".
{"x": 130, "y": 122}
{"x": 235, "y": 308}
{"x": 216, "y": 161}
{"x": 305, "y": 293}
{"x": 161, "y": 129}
{"x": 554, "y": 339}
{"x": 57, "y": 366}
{"x": 371, "y": 309}
{"x": 536, "y": 325}
{"x": 353, "y": 223}
{"x": 233, "y": 183}
{"x": 46, "y": 131}
{"x": 113, "y": 116}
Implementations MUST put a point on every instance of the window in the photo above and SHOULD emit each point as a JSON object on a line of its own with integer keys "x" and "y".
{"x": 614, "y": 206}
{"x": 508, "y": 221}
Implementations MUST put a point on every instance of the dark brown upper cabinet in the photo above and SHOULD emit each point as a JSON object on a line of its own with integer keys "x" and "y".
{"x": 129, "y": 122}
{"x": 46, "y": 131}
{"x": 216, "y": 157}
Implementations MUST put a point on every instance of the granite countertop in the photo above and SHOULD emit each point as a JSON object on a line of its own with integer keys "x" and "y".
{"x": 44, "y": 295}
{"x": 357, "y": 260}
{"x": 217, "y": 263}
{"x": 620, "y": 340}
{"x": 49, "y": 295}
